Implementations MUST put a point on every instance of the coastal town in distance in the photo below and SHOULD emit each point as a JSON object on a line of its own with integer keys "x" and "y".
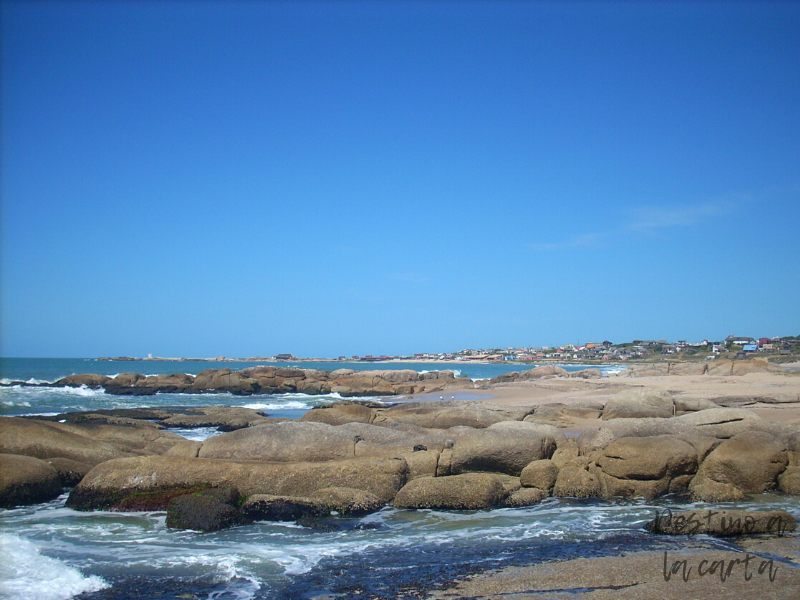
{"x": 775, "y": 349}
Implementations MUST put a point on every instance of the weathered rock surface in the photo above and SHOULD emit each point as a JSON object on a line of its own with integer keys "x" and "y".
{"x": 576, "y": 482}
{"x": 718, "y": 368}
{"x": 470, "y": 491}
{"x": 128, "y": 438}
{"x": 543, "y": 371}
{"x": 639, "y": 403}
{"x": 339, "y": 413}
{"x": 741, "y": 367}
{"x": 227, "y": 418}
{"x": 26, "y": 480}
{"x": 201, "y": 512}
{"x": 748, "y": 463}
{"x": 639, "y": 576}
{"x": 540, "y": 474}
{"x": 720, "y": 423}
{"x": 648, "y": 458}
{"x": 266, "y": 507}
{"x": 644, "y": 467}
{"x": 149, "y": 483}
{"x": 725, "y": 523}
{"x": 348, "y": 502}
{"x": 90, "y": 380}
{"x": 502, "y": 450}
{"x": 41, "y": 439}
{"x": 685, "y": 405}
{"x": 525, "y": 497}
{"x": 447, "y": 414}
{"x": 289, "y": 441}
{"x": 789, "y": 481}
{"x": 565, "y": 415}
{"x": 586, "y": 374}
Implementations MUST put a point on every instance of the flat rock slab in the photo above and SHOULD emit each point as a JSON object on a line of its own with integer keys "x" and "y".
{"x": 638, "y": 576}
{"x": 150, "y": 482}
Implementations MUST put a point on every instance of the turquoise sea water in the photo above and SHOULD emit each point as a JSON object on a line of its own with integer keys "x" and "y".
{"x": 51, "y": 552}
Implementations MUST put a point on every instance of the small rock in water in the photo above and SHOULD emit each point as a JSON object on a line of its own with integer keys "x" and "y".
{"x": 724, "y": 523}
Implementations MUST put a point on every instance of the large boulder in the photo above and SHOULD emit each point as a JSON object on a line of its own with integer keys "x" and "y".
{"x": 266, "y": 507}
{"x": 645, "y": 467}
{"x": 502, "y": 450}
{"x": 201, "y": 512}
{"x": 720, "y": 423}
{"x": 639, "y": 403}
{"x": 648, "y": 458}
{"x": 150, "y": 482}
{"x": 129, "y": 384}
{"x": 26, "y": 480}
{"x": 471, "y": 491}
{"x": 42, "y": 439}
{"x": 90, "y": 380}
{"x": 576, "y": 482}
{"x": 287, "y": 441}
{"x": 748, "y": 463}
{"x": 339, "y": 413}
{"x": 543, "y": 371}
{"x": 540, "y": 474}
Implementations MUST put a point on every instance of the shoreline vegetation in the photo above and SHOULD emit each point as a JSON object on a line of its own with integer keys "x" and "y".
{"x": 715, "y": 433}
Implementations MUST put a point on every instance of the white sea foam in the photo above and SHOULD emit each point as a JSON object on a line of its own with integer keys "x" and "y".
{"x": 27, "y": 575}
{"x": 13, "y": 403}
{"x": 196, "y": 434}
{"x": 289, "y": 405}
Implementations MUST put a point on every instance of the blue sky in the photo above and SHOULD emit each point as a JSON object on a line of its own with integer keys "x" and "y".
{"x": 325, "y": 178}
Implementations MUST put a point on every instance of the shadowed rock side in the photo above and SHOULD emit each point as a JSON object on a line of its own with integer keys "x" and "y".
{"x": 271, "y": 380}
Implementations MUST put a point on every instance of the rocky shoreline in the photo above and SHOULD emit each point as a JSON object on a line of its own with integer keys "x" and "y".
{"x": 353, "y": 457}
{"x": 444, "y": 454}
{"x": 267, "y": 380}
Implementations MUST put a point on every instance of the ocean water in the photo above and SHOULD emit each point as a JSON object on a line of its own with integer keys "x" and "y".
{"x": 21, "y": 400}
{"x": 50, "y": 552}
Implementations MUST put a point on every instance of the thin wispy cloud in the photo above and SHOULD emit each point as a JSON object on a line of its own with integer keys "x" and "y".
{"x": 646, "y": 219}
{"x": 652, "y": 218}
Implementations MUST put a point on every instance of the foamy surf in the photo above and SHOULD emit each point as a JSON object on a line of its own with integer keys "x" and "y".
{"x": 25, "y": 574}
